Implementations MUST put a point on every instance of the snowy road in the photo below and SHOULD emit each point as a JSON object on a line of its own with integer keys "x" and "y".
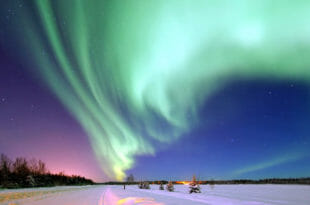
{"x": 116, "y": 195}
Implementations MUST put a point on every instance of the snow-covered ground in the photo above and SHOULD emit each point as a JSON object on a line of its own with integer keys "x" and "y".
{"x": 116, "y": 195}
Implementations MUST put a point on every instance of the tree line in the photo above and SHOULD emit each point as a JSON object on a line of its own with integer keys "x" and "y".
{"x": 22, "y": 173}
{"x": 304, "y": 181}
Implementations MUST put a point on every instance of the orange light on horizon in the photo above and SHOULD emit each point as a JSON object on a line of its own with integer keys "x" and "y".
{"x": 183, "y": 182}
{"x": 186, "y": 182}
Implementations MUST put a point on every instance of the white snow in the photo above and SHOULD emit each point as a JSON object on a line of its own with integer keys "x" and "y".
{"x": 116, "y": 195}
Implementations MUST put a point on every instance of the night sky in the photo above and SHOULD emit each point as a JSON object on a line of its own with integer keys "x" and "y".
{"x": 160, "y": 90}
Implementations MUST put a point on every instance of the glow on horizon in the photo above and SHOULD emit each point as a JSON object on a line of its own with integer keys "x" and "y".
{"x": 121, "y": 68}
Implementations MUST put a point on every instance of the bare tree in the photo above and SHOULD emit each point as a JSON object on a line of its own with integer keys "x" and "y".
{"x": 5, "y": 169}
{"x": 20, "y": 166}
{"x": 33, "y": 166}
{"x": 41, "y": 167}
{"x": 130, "y": 178}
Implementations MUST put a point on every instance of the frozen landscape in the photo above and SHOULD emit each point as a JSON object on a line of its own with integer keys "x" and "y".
{"x": 116, "y": 195}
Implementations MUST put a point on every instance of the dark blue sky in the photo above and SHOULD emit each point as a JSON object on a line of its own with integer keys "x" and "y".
{"x": 246, "y": 123}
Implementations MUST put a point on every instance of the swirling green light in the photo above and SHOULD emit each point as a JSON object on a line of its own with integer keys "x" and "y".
{"x": 122, "y": 66}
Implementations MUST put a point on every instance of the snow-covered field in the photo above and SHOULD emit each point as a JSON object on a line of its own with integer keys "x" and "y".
{"x": 116, "y": 195}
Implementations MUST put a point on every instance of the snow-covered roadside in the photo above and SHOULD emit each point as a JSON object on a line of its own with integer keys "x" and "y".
{"x": 112, "y": 195}
{"x": 240, "y": 194}
{"x": 25, "y": 195}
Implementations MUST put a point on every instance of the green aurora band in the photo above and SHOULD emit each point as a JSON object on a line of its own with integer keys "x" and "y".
{"x": 283, "y": 158}
{"x": 121, "y": 67}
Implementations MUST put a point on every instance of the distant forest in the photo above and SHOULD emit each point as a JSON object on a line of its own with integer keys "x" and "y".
{"x": 33, "y": 173}
{"x": 261, "y": 181}
{"x": 305, "y": 181}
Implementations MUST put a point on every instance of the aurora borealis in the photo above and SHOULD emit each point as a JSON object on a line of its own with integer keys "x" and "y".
{"x": 136, "y": 74}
